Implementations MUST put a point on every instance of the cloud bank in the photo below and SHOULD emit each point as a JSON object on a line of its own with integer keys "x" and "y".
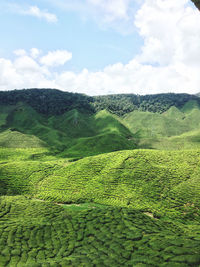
{"x": 169, "y": 60}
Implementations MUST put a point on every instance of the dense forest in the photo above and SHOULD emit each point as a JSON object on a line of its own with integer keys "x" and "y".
{"x": 56, "y": 102}
{"x": 47, "y": 101}
{"x": 124, "y": 103}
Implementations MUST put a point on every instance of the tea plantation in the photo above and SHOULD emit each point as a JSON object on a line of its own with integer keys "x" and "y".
{"x": 99, "y": 181}
{"x": 34, "y": 233}
{"x": 125, "y": 208}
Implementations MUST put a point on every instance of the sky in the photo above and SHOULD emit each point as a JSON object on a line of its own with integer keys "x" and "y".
{"x": 99, "y": 47}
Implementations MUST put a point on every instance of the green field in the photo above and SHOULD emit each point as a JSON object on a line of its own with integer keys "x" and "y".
{"x": 106, "y": 181}
{"x": 126, "y": 208}
{"x": 35, "y": 233}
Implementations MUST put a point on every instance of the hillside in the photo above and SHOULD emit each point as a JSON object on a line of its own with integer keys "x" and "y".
{"x": 73, "y": 133}
{"x": 173, "y": 129}
{"x": 34, "y": 233}
{"x": 158, "y": 103}
{"x": 56, "y": 102}
{"x": 142, "y": 179}
{"x": 130, "y": 208}
{"x": 75, "y": 125}
{"x": 99, "y": 181}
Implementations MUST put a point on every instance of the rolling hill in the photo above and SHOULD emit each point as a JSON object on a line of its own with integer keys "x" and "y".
{"x": 99, "y": 181}
{"x": 77, "y": 126}
{"x": 130, "y": 208}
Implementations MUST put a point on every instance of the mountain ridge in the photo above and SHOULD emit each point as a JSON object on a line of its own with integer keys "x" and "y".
{"x": 56, "y": 102}
{"x": 77, "y": 126}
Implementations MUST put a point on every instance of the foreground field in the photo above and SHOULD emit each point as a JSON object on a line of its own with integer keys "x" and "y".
{"x": 158, "y": 181}
{"x": 34, "y": 233}
{"x": 126, "y": 208}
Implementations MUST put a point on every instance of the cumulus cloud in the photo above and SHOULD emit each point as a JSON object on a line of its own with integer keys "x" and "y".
{"x": 20, "y": 52}
{"x": 35, "y": 52}
{"x": 56, "y": 58}
{"x": 170, "y": 30}
{"x": 169, "y": 60}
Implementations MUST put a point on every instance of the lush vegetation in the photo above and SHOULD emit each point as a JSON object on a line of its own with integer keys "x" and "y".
{"x": 47, "y": 101}
{"x": 74, "y": 133}
{"x": 66, "y": 123}
{"x": 125, "y": 103}
{"x": 140, "y": 179}
{"x": 55, "y": 102}
{"x": 173, "y": 129}
{"x": 34, "y": 233}
{"x": 78, "y": 186}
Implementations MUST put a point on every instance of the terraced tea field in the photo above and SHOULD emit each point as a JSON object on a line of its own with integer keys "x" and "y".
{"x": 34, "y": 233}
{"x": 126, "y": 208}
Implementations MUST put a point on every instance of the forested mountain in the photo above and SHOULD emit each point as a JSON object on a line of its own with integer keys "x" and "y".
{"x": 55, "y": 102}
{"x": 77, "y": 125}
{"x": 47, "y": 101}
{"x": 125, "y": 103}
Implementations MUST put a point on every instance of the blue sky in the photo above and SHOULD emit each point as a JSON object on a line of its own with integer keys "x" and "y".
{"x": 100, "y": 46}
{"x": 93, "y": 46}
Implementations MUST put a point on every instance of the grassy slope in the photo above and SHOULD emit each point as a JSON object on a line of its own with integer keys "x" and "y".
{"x": 81, "y": 134}
{"x": 142, "y": 179}
{"x": 134, "y": 185}
{"x": 164, "y": 183}
{"x": 173, "y": 129}
{"x": 76, "y": 134}
{"x": 109, "y": 135}
{"x": 15, "y": 139}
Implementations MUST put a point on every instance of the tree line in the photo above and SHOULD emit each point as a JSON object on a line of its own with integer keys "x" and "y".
{"x": 56, "y": 102}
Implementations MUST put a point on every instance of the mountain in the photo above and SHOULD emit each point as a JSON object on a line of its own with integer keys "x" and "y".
{"x": 76, "y": 125}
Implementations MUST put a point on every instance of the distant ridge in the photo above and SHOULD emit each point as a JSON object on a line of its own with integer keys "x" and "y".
{"x": 56, "y": 102}
{"x": 76, "y": 125}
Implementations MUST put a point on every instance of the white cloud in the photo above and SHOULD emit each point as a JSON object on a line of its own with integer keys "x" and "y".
{"x": 35, "y": 52}
{"x": 115, "y": 14}
{"x": 42, "y": 14}
{"x": 20, "y": 52}
{"x": 25, "y": 9}
{"x": 171, "y": 31}
{"x": 112, "y": 9}
{"x": 169, "y": 60}
{"x": 56, "y": 58}
{"x": 34, "y": 11}
{"x": 23, "y": 72}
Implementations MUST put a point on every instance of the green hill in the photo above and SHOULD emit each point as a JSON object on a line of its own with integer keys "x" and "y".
{"x": 76, "y": 125}
{"x": 73, "y": 133}
{"x": 125, "y": 208}
{"x": 173, "y": 129}
{"x": 142, "y": 179}
{"x": 15, "y": 139}
{"x": 99, "y": 181}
